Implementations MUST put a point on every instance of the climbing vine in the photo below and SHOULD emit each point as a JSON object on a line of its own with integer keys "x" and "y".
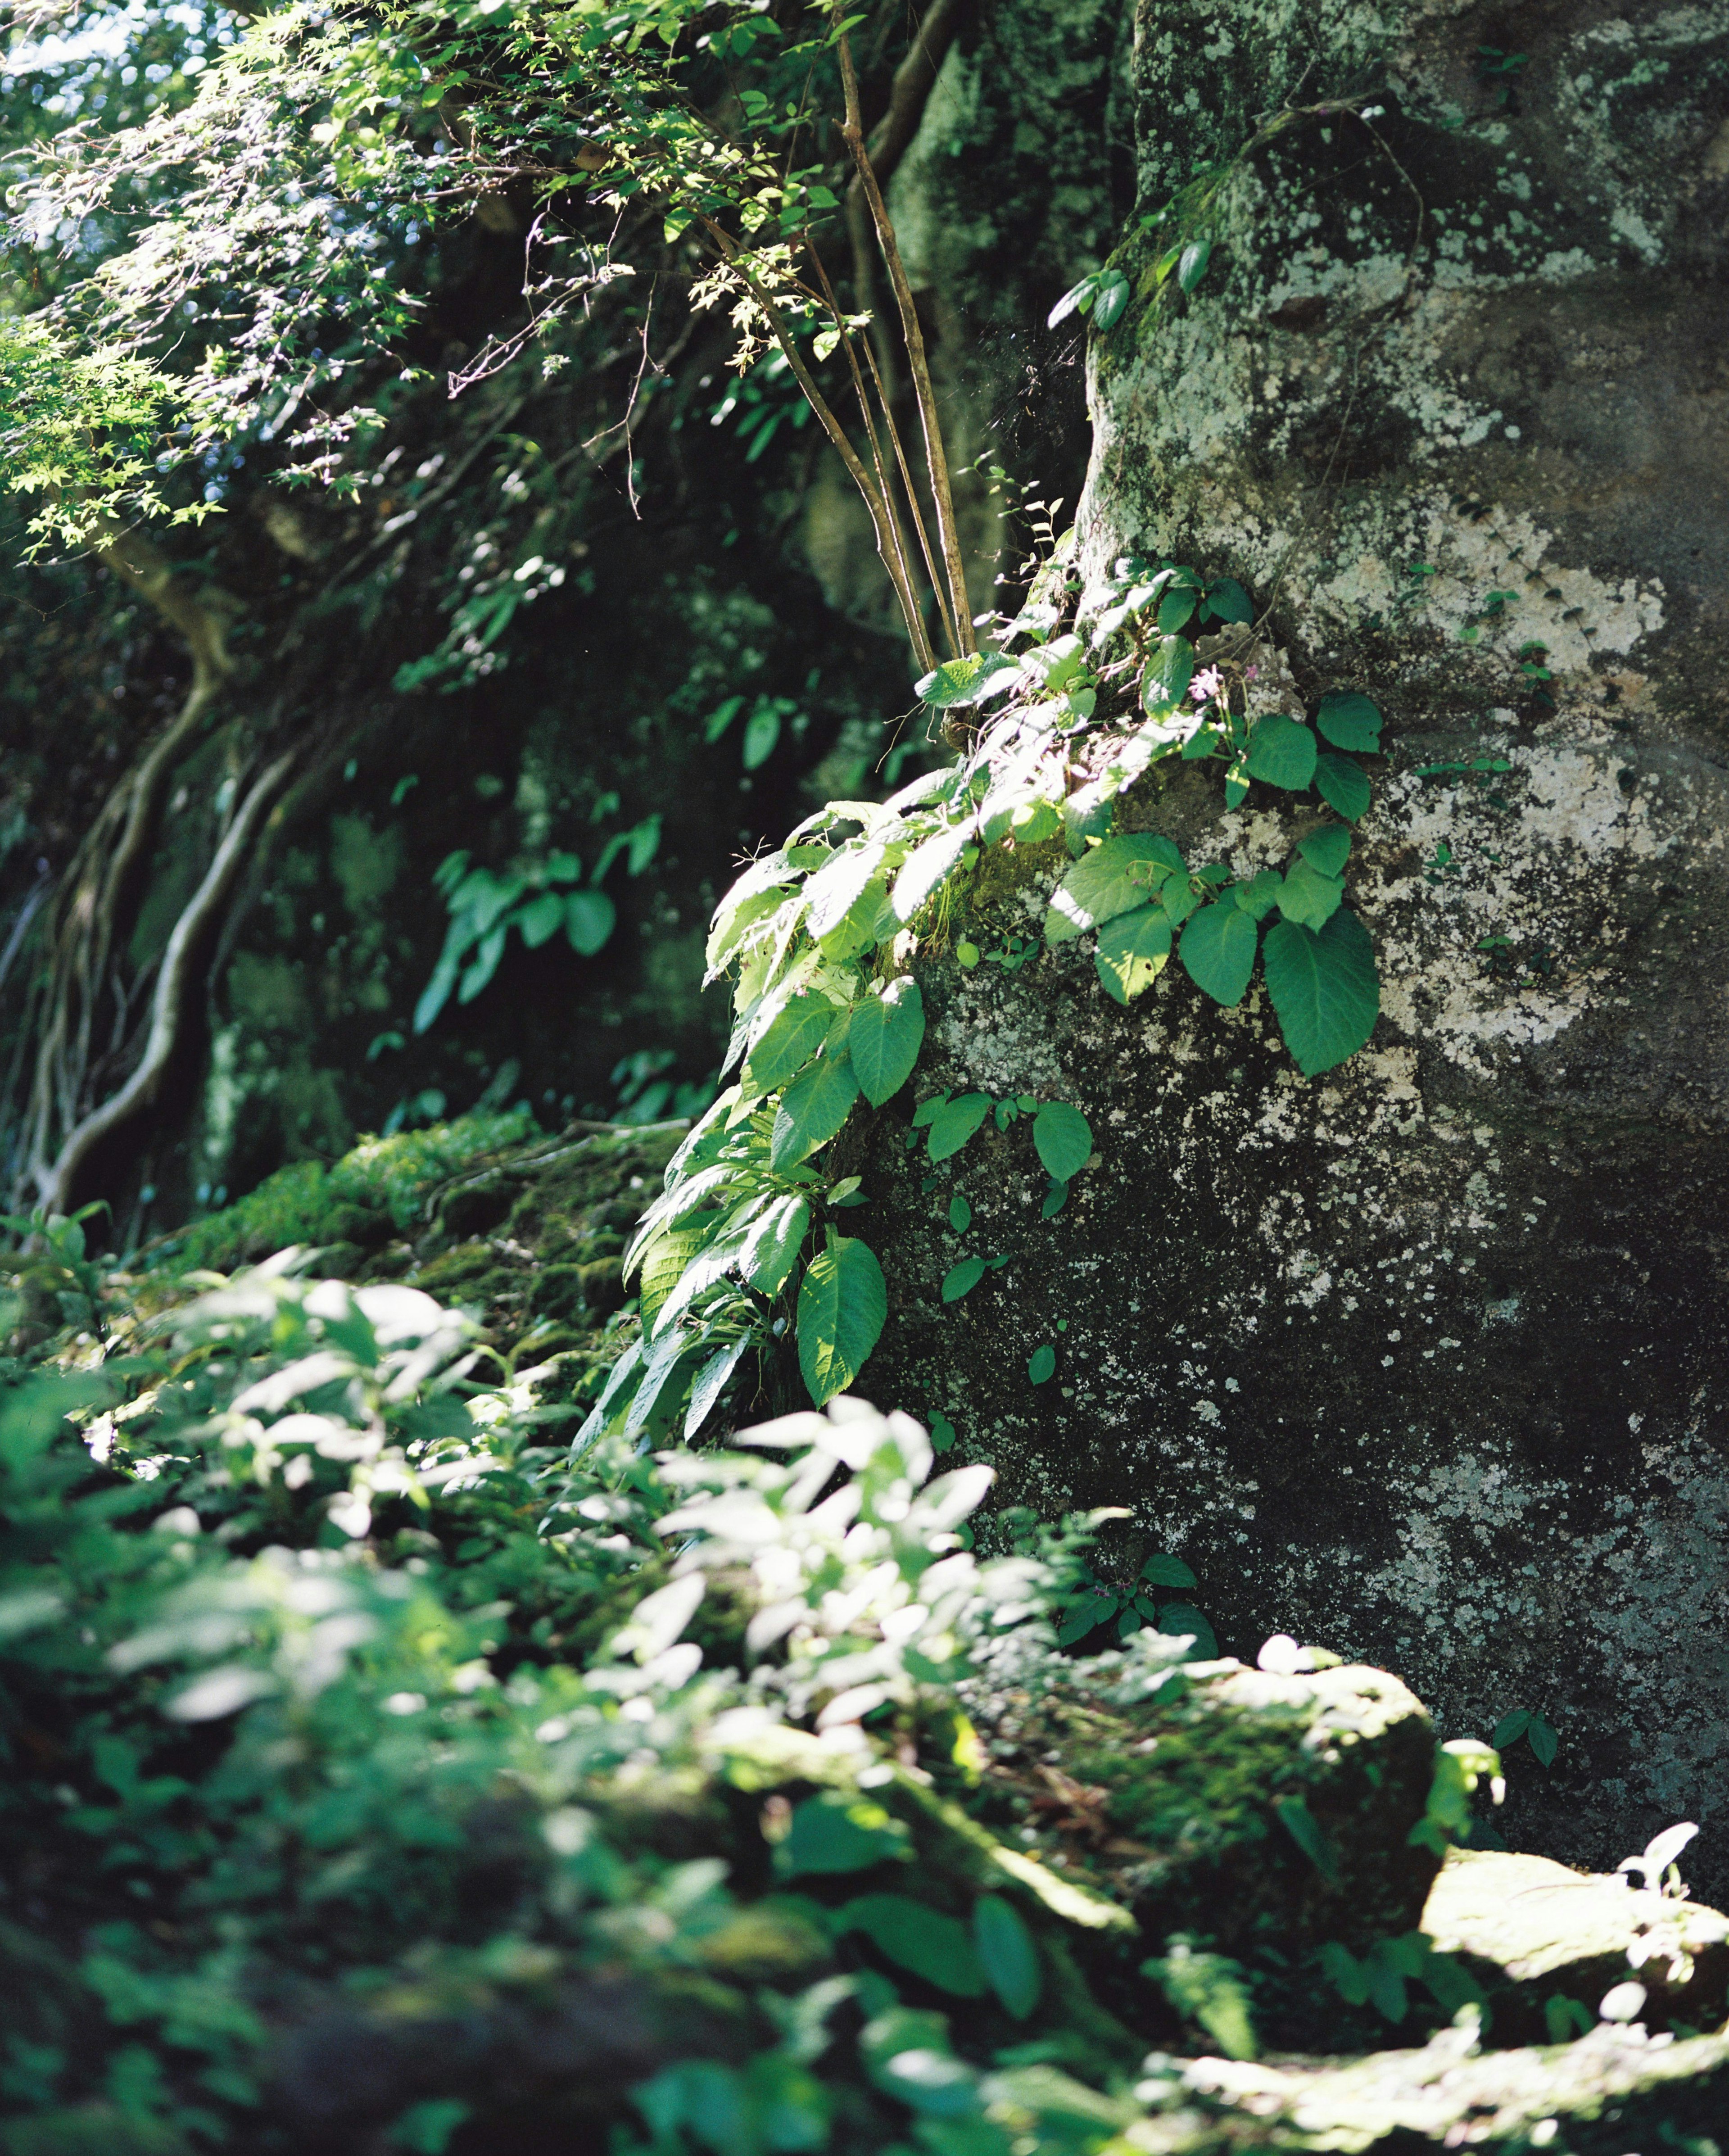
{"x": 1085, "y": 694}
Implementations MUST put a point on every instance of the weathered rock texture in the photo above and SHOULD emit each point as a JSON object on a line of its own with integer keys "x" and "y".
{"x": 1425, "y": 1358}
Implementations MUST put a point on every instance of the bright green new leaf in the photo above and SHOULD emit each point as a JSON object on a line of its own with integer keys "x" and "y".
{"x": 1132, "y": 951}
{"x": 1324, "y": 988}
{"x": 1349, "y": 720}
{"x": 1326, "y": 849}
{"x": 1343, "y": 784}
{"x": 1281, "y": 752}
{"x": 1218, "y": 952}
{"x": 834, "y": 1832}
{"x": 960, "y": 1214}
{"x": 954, "y": 1122}
{"x": 812, "y": 1109}
{"x": 961, "y": 1279}
{"x": 1041, "y": 1364}
{"x": 772, "y": 1248}
{"x": 762, "y": 729}
{"x": 1009, "y": 1956}
{"x": 1165, "y": 678}
{"x": 1308, "y": 897}
{"x": 1064, "y": 1139}
{"x": 790, "y": 1040}
{"x": 1112, "y": 878}
{"x": 915, "y": 1937}
{"x": 842, "y": 1306}
{"x": 885, "y": 1038}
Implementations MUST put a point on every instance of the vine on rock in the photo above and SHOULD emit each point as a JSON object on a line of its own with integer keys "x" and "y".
{"x": 1086, "y": 694}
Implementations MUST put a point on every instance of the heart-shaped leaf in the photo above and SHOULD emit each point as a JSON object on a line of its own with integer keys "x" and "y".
{"x": 1324, "y": 989}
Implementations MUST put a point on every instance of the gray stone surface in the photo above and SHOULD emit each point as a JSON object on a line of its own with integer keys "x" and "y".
{"x": 1423, "y": 1359}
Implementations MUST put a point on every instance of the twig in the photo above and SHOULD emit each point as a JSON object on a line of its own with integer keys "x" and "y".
{"x": 936, "y": 458}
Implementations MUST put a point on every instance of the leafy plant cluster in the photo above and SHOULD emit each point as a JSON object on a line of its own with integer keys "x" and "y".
{"x": 744, "y": 1247}
{"x": 536, "y": 899}
{"x": 387, "y": 1772}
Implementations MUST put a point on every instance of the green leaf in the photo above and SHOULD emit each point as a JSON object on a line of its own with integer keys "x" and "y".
{"x": 1164, "y": 1570}
{"x": 1113, "y": 298}
{"x": 1327, "y": 849}
{"x": 1543, "y": 1741}
{"x": 964, "y": 681}
{"x": 1299, "y": 1823}
{"x": 1510, "y": 1728}
{"x": 915, "y": 1937}
{"x": 711, "y": 1382}
{"x": 771, "y": 1250}
{"x": 842, "y": 1306}
{"x": 927, "y": 865}
{"x": 1056, "y": 1199}
{"x": 1193, "y": 266}
{"x": 1175, "y": 609}
{"x": 1281, "y": 752}
{"x": 1230, "y": 602}
{"x": 1132, "y": 951}
{"x": 1324, "y": 988}
{"x": 1009, "y": 1957}
{"x": 1165, "y": 678}
{"x": 588, "y": 919}
{"x": 1218, "y": 952}
{"x": 1349, "y": 720}
{"x": 960, "y": 1214}
{"x": 834, "y": 1832}
{"x": 961, "y": 1279}
{"x": 1112, "y": 878}
{"x": 1308, "y": 897}
{"x": 1063, "y": 1138}
{"x": 812, "y": 1109}
{"x": 1343, "y": 784}
{"x": 1041, "y": 1364}
{"x": 541, "y": 918}
{"x": 954, "y": 1123}
{"x": 788, "y": 1042}
{"x": 1259, "y": 895}
{"x": 762, "y": 729}
{"x": 720, "y": 718}
{"x": 885, "y": 1038}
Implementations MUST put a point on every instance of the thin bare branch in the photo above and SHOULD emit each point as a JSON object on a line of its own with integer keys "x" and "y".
{"x": 936, "y": 457}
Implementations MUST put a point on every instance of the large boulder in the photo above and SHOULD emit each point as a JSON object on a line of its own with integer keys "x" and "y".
{"x": 1425, "y": 1356}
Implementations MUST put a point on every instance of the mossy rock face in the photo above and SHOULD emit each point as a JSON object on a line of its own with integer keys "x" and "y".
{"x": 1538, "y": 1936}
{"x": 524, "y": 1230}
{"x": 1247, "y": 1815}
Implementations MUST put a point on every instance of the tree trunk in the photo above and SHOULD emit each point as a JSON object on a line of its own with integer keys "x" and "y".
{"x": 1422, "y": 1359}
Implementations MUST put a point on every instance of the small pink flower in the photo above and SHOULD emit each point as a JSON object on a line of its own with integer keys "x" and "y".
{"x": 1206, "y": 684}
{"x": 1250, "y": 673}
